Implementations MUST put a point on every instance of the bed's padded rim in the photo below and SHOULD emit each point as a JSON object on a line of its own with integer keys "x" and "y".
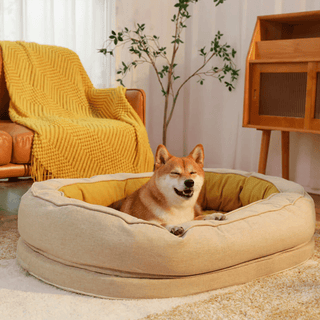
{"x": 106, "y": 286}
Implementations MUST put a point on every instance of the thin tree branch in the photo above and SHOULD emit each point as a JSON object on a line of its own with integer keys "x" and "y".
{"x": 151, "y": 60}
{"x": 178, "y": 91}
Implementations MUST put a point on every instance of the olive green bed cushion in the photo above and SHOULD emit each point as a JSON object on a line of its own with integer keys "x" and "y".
{"x": 71, "y": 238}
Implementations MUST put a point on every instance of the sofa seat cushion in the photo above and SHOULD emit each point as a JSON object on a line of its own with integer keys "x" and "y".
{"x": 22, "y": 139}
{"x": 6, "y": 147}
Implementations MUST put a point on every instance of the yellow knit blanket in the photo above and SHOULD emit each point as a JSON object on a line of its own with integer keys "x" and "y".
{"x": 79, "y": 131}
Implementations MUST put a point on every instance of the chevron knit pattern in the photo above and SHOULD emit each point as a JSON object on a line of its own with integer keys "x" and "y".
{"x": 79, "y": 131}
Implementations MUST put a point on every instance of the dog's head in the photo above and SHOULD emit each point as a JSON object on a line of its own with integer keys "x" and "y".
{"x": 179, "y": 178}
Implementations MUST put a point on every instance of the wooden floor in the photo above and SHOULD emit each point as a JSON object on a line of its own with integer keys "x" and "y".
{"x": 10, "y": 196}
{"x": 12, "y": 191}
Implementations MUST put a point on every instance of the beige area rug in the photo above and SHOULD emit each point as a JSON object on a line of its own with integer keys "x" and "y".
{"x": 292, "y": 294}
{"x": 9, "y": 237}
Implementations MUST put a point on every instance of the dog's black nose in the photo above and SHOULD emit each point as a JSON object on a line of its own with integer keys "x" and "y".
{"x": 189, "y": 183}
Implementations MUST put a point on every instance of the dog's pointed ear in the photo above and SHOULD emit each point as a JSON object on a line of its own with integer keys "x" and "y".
{"x": 162, "y": 156}
{"x": 198, "y": 154}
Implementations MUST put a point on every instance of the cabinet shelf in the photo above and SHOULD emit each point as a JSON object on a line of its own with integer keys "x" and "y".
{"x": 289, "y": 50}
{"x": 282, "y": 86}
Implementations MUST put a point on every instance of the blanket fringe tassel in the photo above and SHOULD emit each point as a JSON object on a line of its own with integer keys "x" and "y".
{"x": 38, "y": 171}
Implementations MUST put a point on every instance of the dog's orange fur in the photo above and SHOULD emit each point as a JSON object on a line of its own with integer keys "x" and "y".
{"x": 158, "y": 201}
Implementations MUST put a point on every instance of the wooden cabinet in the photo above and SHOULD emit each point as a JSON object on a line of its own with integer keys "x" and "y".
{"x": 282, "y": 84}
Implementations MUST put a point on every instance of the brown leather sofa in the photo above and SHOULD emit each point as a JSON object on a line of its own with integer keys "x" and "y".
{"x": 16, "y": 140}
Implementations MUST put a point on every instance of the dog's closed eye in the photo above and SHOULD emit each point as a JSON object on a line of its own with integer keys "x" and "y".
{"x": 176, "y": 173}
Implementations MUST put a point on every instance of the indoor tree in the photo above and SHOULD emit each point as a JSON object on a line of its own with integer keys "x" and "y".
{"x": 147, "y": 49}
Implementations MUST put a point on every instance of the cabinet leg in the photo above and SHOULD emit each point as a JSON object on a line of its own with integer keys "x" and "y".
{"x": 285, "y": 154}
{"x": 265, "y": 141}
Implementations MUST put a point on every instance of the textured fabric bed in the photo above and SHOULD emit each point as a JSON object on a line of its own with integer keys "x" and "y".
{"x": 97, "y": 250}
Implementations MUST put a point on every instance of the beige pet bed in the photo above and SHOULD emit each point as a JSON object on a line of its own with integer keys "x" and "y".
{"x": 71, "y": 239}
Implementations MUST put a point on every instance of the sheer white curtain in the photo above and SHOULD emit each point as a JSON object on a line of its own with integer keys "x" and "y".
{"x": 209, "y": 114}
{"x": 80, "y": 25}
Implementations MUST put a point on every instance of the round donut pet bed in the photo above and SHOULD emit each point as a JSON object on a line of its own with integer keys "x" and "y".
{"x": 71, "y": 238}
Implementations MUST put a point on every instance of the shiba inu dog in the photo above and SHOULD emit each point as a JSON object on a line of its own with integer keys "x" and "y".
{"x": 170, "y": 196}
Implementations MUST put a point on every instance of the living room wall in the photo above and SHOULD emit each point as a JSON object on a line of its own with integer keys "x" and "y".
{"x": 210, "y": 114}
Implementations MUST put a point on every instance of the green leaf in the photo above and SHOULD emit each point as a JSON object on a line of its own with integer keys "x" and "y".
{"x": 229, "y": 86}
{"x": 235, "y": 72}
{"x": 178, "y": 40}
{"x": 121, "y": 82}
{"x": 202, "y": 52}
{"x": 141, "y": 27}
{"x": 218, "y": 2}
{"x": 219, "y": 35}
{"x": 220, "y": 78}
{"x": 125, "y": 68}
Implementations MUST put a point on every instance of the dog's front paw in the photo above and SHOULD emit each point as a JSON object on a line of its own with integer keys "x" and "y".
{"x": 215, "y": 216}
{"x": 177, "y": 231}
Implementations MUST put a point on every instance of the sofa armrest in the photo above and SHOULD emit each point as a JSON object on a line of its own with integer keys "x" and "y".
{"x": 137, "y": 99}
{"x": 6, "y": 148}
